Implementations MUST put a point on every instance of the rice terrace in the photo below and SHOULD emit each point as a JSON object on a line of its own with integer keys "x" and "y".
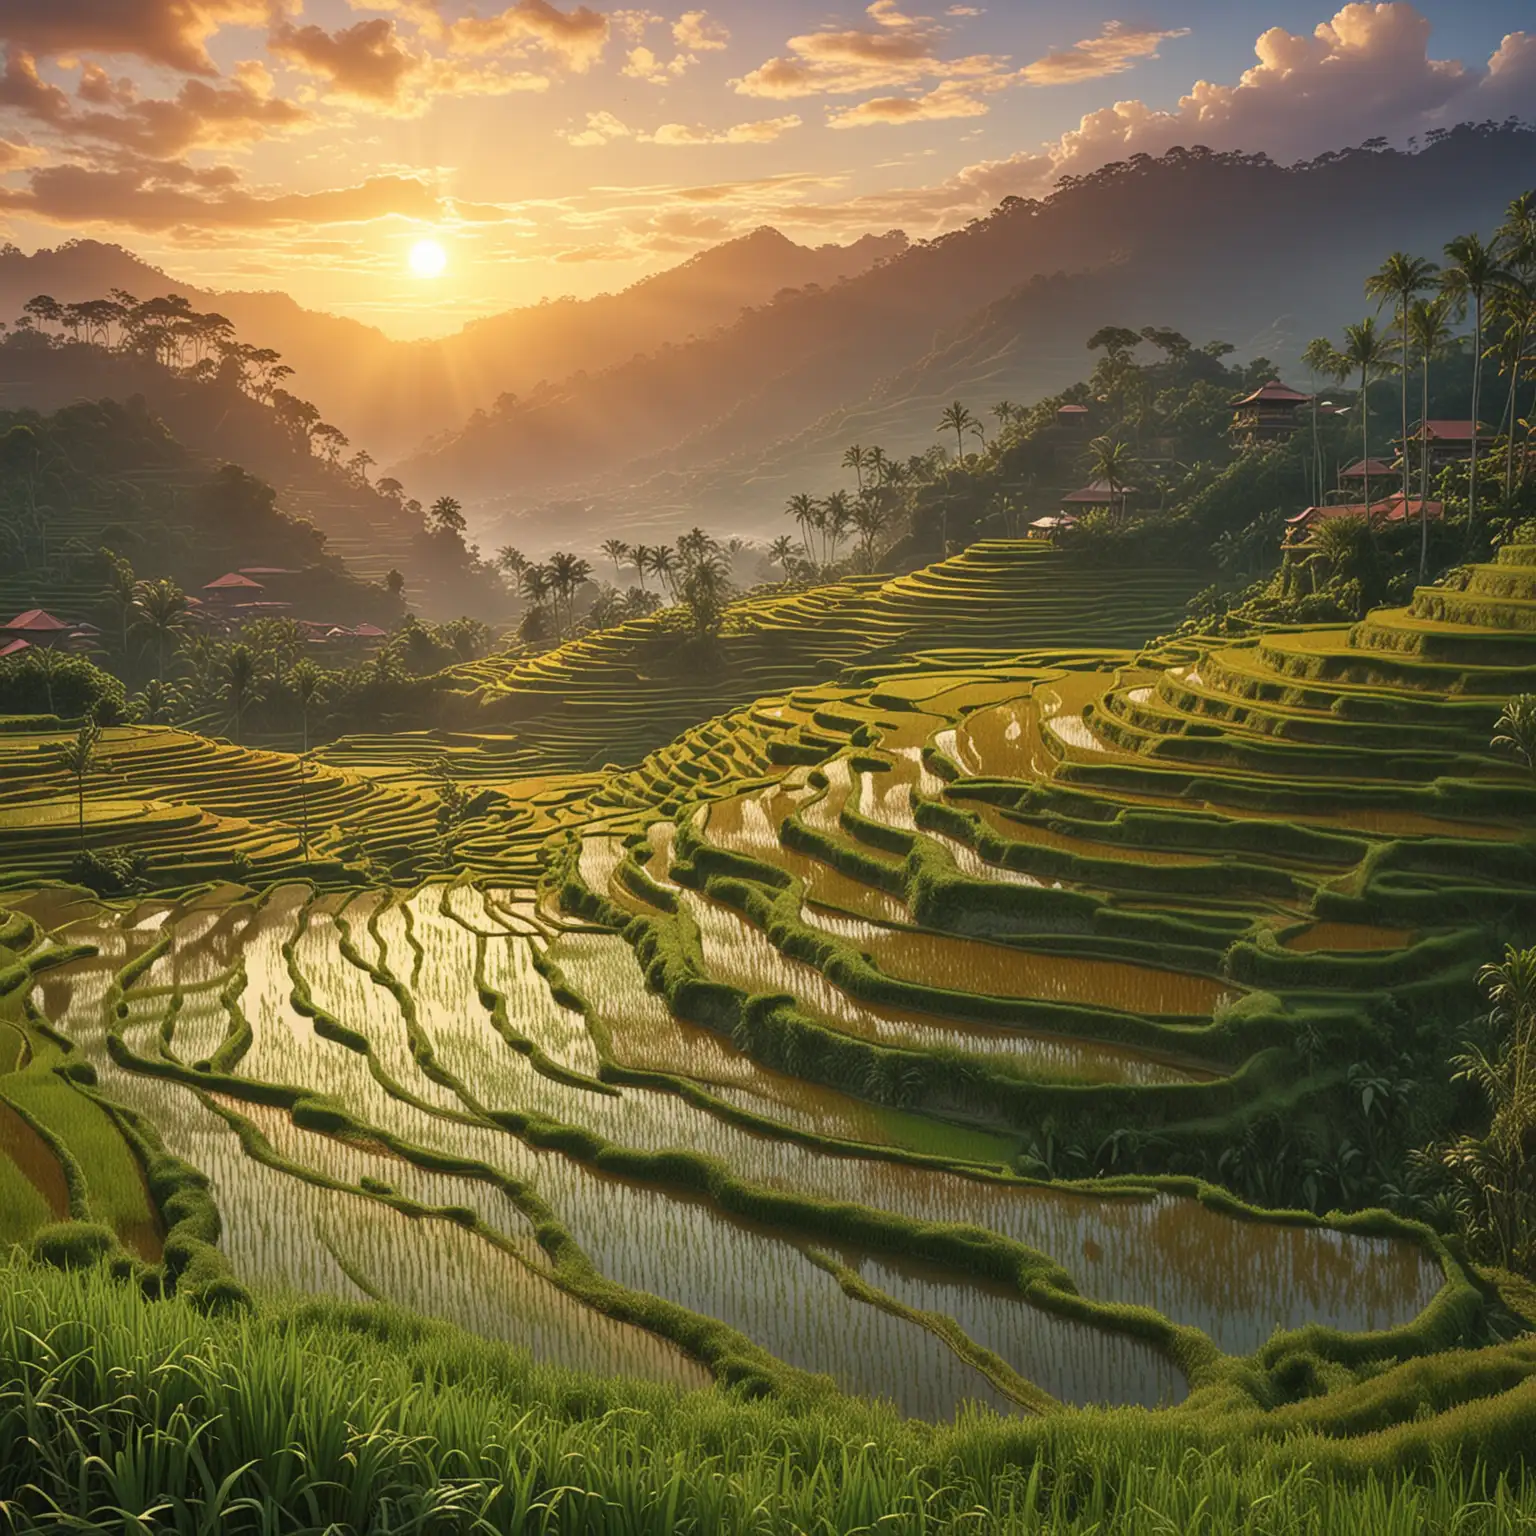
{"x": 988, "y": 985}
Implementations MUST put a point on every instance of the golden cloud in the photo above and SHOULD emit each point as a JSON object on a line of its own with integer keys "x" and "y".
{"x": 1117, "y": 48}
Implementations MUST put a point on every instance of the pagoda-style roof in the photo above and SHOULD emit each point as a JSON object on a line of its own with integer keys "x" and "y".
{"x": 1072, "y": 410}
{"x": 15, "y": 647}
{"x": 1274, "y": 393}
{"x": 1445, "y": 431}
{"x": 370, "y": 632}
{"x": 233, "y": 581}
{"x": 1394, "y": 509}
{"x": 34, "y": 622}
{"x": 1099, "y": 494}
{"x": 1374, "y": 468}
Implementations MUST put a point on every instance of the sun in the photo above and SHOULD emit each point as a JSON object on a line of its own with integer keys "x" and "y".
{"x": 428, "y": 259}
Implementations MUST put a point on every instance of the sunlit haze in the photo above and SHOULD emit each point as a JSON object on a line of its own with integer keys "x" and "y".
{"x": 570, "y": 149}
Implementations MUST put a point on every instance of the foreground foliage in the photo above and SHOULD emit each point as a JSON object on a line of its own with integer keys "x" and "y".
{"x": 327, "y": 1418}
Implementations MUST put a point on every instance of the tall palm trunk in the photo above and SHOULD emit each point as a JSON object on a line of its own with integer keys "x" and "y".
{"x": 1423, "y": 476}
{"x": 1402, "y": 322}
{"x": 1477, "y": 396}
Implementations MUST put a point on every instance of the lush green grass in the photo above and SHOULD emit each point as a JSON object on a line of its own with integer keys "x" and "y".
{"x": 320, "y": 1417}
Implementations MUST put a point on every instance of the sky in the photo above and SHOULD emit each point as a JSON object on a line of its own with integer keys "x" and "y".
{"x": 416, "y": 163}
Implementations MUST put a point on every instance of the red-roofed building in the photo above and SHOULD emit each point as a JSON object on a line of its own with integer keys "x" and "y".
{"x": 1372, "y": 469}
{"x": 1099, "y": 494}
{"x": 232, "y": 584}
{"x": 14, "y": 648}
{"x": 37, "y": 628}
{"x": 1270, "y": 414}
{"x": 1449, "y": 442}
{"x": 1392, "y": 510}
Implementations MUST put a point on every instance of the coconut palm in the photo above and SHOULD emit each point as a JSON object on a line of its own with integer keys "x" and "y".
{"x": 782, "y": 553}
{"x": 446, "y": 516}
{"x": 567, "y": 573}
{"x": 305, "y": 682}
{"x": 664, "y": 566}
{"x": 1429, "y": 329}
{"x": 511, "y": 561}
{"x": 78, "y": 758}
{"x": 856, "y": 460}
{"x": 1112, "y": 461}
{"x": 1495, "y": 1170}
{"x": 958, "y": 419}
{"x": 1473, "y": 275}
{"x": 836, "y": 519}
{"x": 122, "y": 590}
{"x": 1366, "y": 351}
{"x": 240, "y": 680}
{"x": 641, "y": 555}
{"x": 163, "y": 615}
{"x": 1514, "y": 310}
{"x": 1515, "y": 730}
{"x": 705, "y": 592}
{"x": 803, "y": 509}
{"x": 1322, "y": 361}
{"x": 1399, "y": 280}
{"x": 617, "y": 551}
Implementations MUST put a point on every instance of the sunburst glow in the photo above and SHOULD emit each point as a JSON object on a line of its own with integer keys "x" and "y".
{"x": 428, "y": 259}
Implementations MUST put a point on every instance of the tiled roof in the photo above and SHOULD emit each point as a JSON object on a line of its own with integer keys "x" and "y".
{"x": 35, "y": 621}
{"x": 1274, "y": 393}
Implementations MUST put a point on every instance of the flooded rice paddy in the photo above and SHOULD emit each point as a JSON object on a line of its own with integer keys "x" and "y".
{"x": 452, "y": 1037}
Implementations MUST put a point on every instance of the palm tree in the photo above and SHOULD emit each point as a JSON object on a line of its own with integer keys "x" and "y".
{"x": 1430, "y": 331}
{"x": 1473, "y": 275}
{"x": 1516, "y": 729}
{"x": 568, "y": 573}
{"x": 1323, "y": 361}
{"x": 803, "y": 509}
{"x": 641, "y": 555}
{"x": 1005, "y": 411}
{"x": 446, "y": 516}
{"x": 306, "y": 682}
{"x": 1514, "y": 305}
{"x": 617, "y": 551}
{"x": 122, "y": 589}
{"x": 164, "y": 613}
{"x": 836, "y": 516}
{"x": 855, "y": 460}
{"x": 534, "y": 585}
{"x": 239, "y": 681}
{"x": 664, "y": 564}
{"x": 1494, "y": 1169}
{"x": 511, "y": 561}
{"x": 957, "y": 418}
{"x": 1365, "y": 352}
{"x": 869, "y": 519}
{"x": 78, "y": 759}
{"x": 1399, "y": 280}
{"x": 782, "y": 552}
{"x": 1112, "y": 461}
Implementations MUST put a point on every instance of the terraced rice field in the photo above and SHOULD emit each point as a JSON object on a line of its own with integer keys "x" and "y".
{"x": 883, "y": 1030}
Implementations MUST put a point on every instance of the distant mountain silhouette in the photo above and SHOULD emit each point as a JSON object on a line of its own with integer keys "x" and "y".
{"x": 390, "y": 395}
{"x": 1226, "y": 245}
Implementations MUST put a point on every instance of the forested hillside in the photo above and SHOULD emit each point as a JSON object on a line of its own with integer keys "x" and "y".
{"x": 1212, "y": 244}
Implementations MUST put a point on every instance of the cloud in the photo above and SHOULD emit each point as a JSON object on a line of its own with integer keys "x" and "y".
{"x": 202, "y": 114}
{"x": 1117, "y": 48}
{"x": 581, "y": 254}
{"x": 764, "y": 131}
{"x": 951, "y": 100}
{"x": 367, "y": 60}
{"x": 169, "y": 32}
{"x": 901, "y": 50}
{"x": 604, "y": 128}
{"x": 697, "y": 32}
{"x": 577, "y": 38}
{"x": 172, "y": 196}
{"x": 1367, "y": 71}
{"x": 14, "y": 156}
